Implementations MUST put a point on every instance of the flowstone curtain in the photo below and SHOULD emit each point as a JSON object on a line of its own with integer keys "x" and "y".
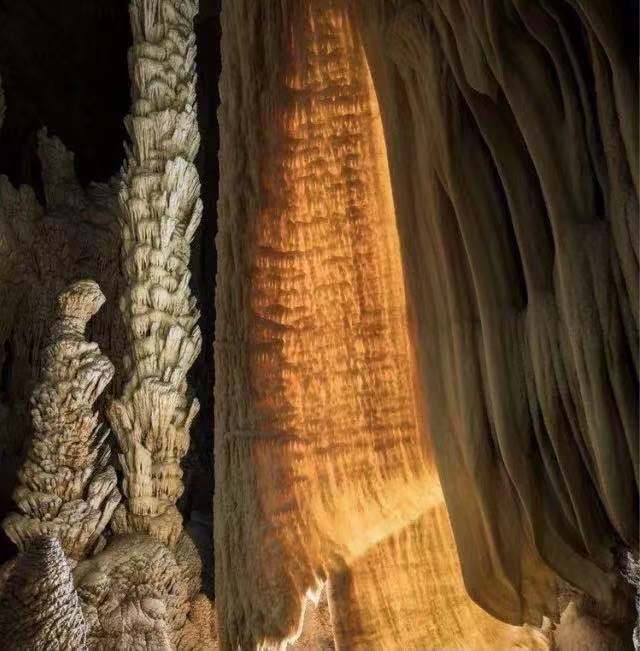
{"x": 512, "y": 130}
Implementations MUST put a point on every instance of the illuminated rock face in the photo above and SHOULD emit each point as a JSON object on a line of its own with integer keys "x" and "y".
{"x": 520, "y": 266}
{"x": 320, "y": 458}
{"x": 161, "y": 210}
{"x": 407, "y": 593}
{"x": 317, "y": 451}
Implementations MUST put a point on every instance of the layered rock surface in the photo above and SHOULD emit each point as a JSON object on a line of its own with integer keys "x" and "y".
{"x": 67, "y": 486}
{"x": 39, "y": 606}
{"x": 161, "y": 210}
{"x": 513, "y": 152}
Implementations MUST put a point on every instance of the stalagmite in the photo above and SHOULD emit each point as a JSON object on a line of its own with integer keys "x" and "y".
{"x": 39, "y": 607}
{"x": 67, "y": 486}
{"x": 160, "y": 212}
{"x": 139, "y": 594}
{"x": 42, "y": 250}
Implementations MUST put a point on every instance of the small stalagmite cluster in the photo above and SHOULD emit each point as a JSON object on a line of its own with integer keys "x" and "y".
{"x": 160, "y": 211}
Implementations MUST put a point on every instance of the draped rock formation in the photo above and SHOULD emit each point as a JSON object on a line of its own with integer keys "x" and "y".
{"x": 520, "y": 260}
{"x": 317, "y": 452}
{"x": 161, "y": 210}
{"x": 67, "y": 487}
{"x": 512, "y": 131}
{"x": 39, "y": 607}
{"x": 321, "y": 464}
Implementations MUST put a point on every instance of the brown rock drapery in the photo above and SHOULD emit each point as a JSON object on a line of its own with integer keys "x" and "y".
{"x": 512, "y": 130}
{"x": 317, "y": 450}
{"x": 512, "y": 156}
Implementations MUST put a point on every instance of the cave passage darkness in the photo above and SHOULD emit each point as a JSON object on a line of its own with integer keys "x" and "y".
{"x": 63, "y": 66}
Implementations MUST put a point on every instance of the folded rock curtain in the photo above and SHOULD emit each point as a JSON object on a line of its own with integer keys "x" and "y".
{"x": 512, "y": 130}
{"x": 317, "y": 449}
{"x": 510, "y": 137}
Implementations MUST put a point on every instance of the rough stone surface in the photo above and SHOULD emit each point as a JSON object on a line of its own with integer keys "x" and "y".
{"x": 67, "y": 486}
{"x": 44, "y": 248}
{"x": 512, "y": 138}
{"x": 39, "y": 607}
{"x": 160, "y": 211}
{"x": 137, "y": 594}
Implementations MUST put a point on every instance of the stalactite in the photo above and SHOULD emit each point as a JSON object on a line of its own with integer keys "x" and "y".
{"x": 67, "y": 487}
{"x": 161, "y": 210}
{"x": 39, "y": 607}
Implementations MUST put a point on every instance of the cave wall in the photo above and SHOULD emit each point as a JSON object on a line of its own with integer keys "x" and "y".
{"x": 511, "y": 133}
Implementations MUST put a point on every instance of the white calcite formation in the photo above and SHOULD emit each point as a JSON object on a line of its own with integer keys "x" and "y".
{"x": 161, "y": 210}
{"x": 67, "y": 487}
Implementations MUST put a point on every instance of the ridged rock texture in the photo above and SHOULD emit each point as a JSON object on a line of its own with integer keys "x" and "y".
{"x": 138, "y": 594}
{"x": 39, "y": 607}
{"x": 321, "y": 462}
{"x": 407, "y": 593}
{"x": 512, "y": 131}
{"x": 67, "y": 488}
{"x": 511, "y": 141}
{"x": 161, "y": 210}
{"x": 42, "y": 250}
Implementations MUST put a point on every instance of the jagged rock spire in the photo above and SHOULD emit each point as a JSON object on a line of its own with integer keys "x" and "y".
{"x": 161, "y": 210}
{"x": 39, "y": 606}
{"x": 67, "y": 487}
